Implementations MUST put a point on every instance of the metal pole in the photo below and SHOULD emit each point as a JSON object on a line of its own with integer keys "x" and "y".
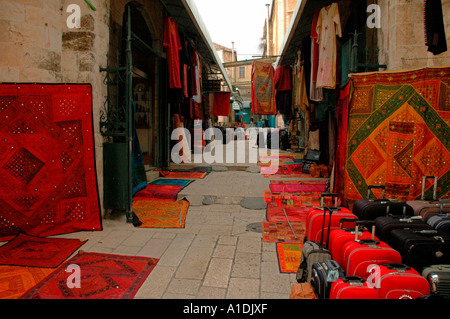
{"x": 284, "y": 211}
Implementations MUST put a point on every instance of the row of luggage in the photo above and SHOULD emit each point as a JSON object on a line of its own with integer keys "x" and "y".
{"x": 381, "y": 258}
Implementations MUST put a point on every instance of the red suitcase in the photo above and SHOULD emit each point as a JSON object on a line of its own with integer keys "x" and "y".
{"x": 351, "y": 287}
{"x": 398, "y": 281}
{"x": 339, "y": 237}
{"x": 361, "y": 254}
{"x": 315, "y": 221}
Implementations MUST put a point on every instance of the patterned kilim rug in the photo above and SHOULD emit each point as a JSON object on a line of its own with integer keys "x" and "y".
{"x": 172, "y": 181}
{"x": 102, "y": 276}
{"x": 289, "y": 256}
{"x": 275, "y": 213}
{"x": 305, "y": 199}
{"x": 295, "y": 186}
{"x": 187, "y": 175}
{"x": 25, "y": 250}
{"x": 280, "y": 232}
{"x": 161, "y": 214}
{"x": 158, "y": 192}
{"x": 48, "y": 183}
{"x": 398, "y": 131}
{"x": 15, "y": 281}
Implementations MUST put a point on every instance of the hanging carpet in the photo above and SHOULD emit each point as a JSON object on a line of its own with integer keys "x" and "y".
{"x": 263, "y": 89}
{"x": 32, "y": 251}
{"x": 47, "y": 160}
{"x": 160, "y": 214}
{"x": 15, "y": 281}
{"x": 398, "y": 132}
{"x": 103, "y": 276}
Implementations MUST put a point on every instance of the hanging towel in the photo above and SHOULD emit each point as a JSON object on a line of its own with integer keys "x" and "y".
{"x": 435, "y": 38}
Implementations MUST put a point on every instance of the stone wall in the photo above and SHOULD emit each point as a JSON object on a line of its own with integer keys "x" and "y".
{"x": 402, "y": 36}
{"x": 36, "y": 46}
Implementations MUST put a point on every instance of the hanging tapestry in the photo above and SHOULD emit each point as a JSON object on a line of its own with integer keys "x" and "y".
{"x": 263, "y": 89}
{"x": 398, "y": 131}
{"x": 47, "y": 160}
{"x": 221, "y": 103}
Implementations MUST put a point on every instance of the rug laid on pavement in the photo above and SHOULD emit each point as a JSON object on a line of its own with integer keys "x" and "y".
{"x": 280, "y": 232}
{"x": 303, "y": 199}
{"x": 47, "y": 160}
{"x": 32, "y": 251}
{"x": 289, "y": 256}
{"x": 160, "y": 214}
{"x": 172, "y": 181}
{"x": 102, "y": 276}
{"x": 296, "y": 186}
{"x": 158, "y": 192}
{"x": 15, "y": 280}
{"x": 398, "y": 124}
{"x": 275, "y": 213}
{"x": 186, "y": 175}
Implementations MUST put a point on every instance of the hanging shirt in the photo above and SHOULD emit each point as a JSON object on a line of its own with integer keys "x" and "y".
{"x": 435, "y": 38}
{"x": 172, "y": 44}
{"x": 328, "y": 26}
{"x": 315, "y": 94}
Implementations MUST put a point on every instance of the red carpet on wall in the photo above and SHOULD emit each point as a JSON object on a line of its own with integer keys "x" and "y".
{"x": 398, "y": 131}
{"x": 102, "y": 276}
{"x": 25, "y": 250}
{"x": 47, "y": 160}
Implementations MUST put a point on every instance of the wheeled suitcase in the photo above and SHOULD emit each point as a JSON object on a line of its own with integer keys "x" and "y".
{"x": 360, "y": 255}
{"x": 399, "y": 281}
{"x": 313, "y": 252}
{"x": 384, "y": 225}
{"x": 323, "y": 274}
{"x": 368, "y": 209}
{"x": 351, "y": 287}
{"x": 317, "y": 217}
{"x": 440, "y": 222}
{"x": 421, "y": 248}
{"x": 438, "y": 277}
{"x": 429, "y": 207}
{"x": 339, "y": 237}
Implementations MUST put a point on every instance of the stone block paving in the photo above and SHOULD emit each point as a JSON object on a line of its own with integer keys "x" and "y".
{"x": 214, "y": 257}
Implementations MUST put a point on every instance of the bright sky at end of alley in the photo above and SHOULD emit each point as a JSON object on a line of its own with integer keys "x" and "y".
{"x": 238, "y": 21}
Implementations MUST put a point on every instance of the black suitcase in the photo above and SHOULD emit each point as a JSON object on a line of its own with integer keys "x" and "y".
{"x": 384, "y": 225}
{"x": 368, "y": 209}
{"x": 439, "y": 278}
{"x": 440, "y": 222}
{"x": 421, "y": 248}
{"x": 323, "y": 275}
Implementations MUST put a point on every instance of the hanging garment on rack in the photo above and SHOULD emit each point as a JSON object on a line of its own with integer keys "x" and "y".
{"x": 172, "y": 44}
{"x": 316, "y": 94}
{"x": 221, "y": 103}
{"x": 283, "y": 78}
{"x": 328, "y": 27}
{"x": 435, "y": 37}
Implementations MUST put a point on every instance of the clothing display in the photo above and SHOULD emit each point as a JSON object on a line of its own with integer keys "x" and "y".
{"x": 221, "y": 103}
{"x": 172, "y": 44}
{"x": 328, "y": 27}
{"x": 316, "y": 94}
{"x": 435, "y": 37}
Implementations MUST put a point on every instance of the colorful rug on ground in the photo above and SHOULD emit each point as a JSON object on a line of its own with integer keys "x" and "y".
{"x": 47, "y": 162}
{"x": 172, "y": 181}
{"x": 281, "y": 232}
{"x": 276, "y": 213}
{"x": 25, "y": 250}
{"x": 398, "y": 131}
{"x": 158, "y": 192}
{"x": 187, "y": 175}
{"x": 297, "y": 186}
{"x": 289, "y": 256}
{"x": 15, "y": 281}
{"x": 161, "y": 214}
{"x": 303, "y": 199}
{"x": 102, "y": 276}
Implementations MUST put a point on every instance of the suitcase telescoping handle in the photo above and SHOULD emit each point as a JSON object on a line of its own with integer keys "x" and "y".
{"x": 365, "y": 223}
{"x": 370, "y": 187}
{"x": 333, "y": 196}
{"x": 331, "y": 210}
{"x": 442, "y": 203}
{"x": 424, "y": 178}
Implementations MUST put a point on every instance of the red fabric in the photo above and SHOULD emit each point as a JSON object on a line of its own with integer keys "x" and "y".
{"x": 173, "y": 46}
{"x": 315, "y": 58}
{"x": 283, "y": 78}
{"x": 103, "y": 276}
{"x": 48, "y": 181}
{"x": 31, "y": 251}
{"x": 221, "y": 103}
{"x": 158, "y": 192}
{"x": 263, "y": 89}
